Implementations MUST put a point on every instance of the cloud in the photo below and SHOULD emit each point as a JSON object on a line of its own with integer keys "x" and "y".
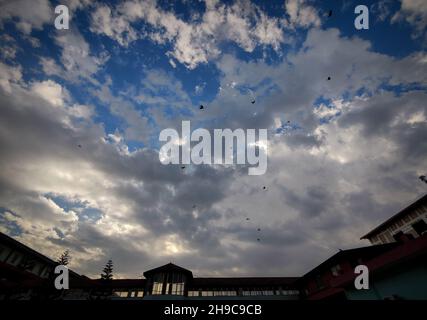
{"x": 29, "y": 14}
{"x": 301, "y": 14}
{"x": 9, "y": 75}
{"x": 413, "y": 12}
{"x": 351, "y": 156}
{"x": 193, "y": 42}
{"x": 76, "y": 58}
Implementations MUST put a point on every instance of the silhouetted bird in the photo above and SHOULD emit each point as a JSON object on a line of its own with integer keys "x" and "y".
{"x": 201, "y": 107}
{"x": 182, "y": 167}
{"x": 258, "y": 229}
{"x": 247, "y": 219}
{"x": 330, "y": 13}
{"x": 194, "y": 206}
{"x": 79, "y": 145}
{"x": 258, "y": 239}
{"x": 423, "y": 178}
{"x": 329, "y": 78}
{"x": 253, "y": 101}
{"x": 264, "y": 188}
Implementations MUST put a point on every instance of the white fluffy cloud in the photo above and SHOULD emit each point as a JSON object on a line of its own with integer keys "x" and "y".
{"x": 302, "y": 14}
{"x": 193, "y": 42}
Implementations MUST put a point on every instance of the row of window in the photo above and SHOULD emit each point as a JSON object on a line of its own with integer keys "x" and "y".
{"x": 24, "y": 262}
{"x": 171, "y": 288}
{"x": 251, "y": 292}
{"x": 211, "y": 293}
{"x": 386, "y": 236}
{"x": 130, "y": 294}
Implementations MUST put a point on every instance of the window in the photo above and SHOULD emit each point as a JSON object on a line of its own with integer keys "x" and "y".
{"x": 157, "y": 287}
{"x": 268, "y": 292}
{"x": 14, "y": 258}
{"x": 140, "y": 293}
{"x": 193, "y": 293}
{"x": 175, "y": 283}
{"x": 319, "y": 282}
{"x": 158, "y": 281}
{"x": 121, "y": 294}
{"x": 177, "y": 288}
{"x": 224, "y": 293}
{"x": 207, "y": 293}
{"x": 420, "y": 227}
{"x": 336, "y": 270}
{"x": 397, "y": 236}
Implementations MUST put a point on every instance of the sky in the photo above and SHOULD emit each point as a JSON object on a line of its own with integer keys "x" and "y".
{"x": 81, "y": 111}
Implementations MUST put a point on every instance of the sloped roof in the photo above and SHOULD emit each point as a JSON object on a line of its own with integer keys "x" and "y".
{"x": 170, "y": 267}
{"x": 420, "y": 201}
{"x": 5, "y": 239}
{"x": 368, "y": 252}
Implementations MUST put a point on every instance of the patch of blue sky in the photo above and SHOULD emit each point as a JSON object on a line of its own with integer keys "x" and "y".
{"x": 185, "y": 10}
{"x": 82, "y": 208}
{"x": 400, "y": 89}
{"x": 27, "y": 56}
{"x": 90, "y": 214}
{"x": 13, "y": 229}
{"x": 385, "y": 37}
{"x": 322, "y": 100}
{"x": 65, "y": 203}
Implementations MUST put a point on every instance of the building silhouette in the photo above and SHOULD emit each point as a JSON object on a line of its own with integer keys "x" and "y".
{"x": 397, "y": 264}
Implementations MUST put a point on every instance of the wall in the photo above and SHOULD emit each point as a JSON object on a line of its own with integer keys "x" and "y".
{"x": 408, "y": 282}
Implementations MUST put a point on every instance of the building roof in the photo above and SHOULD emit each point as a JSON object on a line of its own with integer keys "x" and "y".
{"x": 170, "y": 267}
{"x": 352, "y": 254}
{"x": 16, "y": 244}
{"x": 420, "y": 201}
{"x": 20, "y": 246}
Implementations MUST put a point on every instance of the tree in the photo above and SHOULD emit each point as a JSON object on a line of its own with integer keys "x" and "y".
{"x": 108, "y": 271}
{"x": 65, "y": 258}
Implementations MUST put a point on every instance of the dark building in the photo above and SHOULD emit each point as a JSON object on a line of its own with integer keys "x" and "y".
{"x": 409, "y": 222}
{"x": 176, "y": 283}
{"x": 171, "y": 281}
{"x": 397, "y": 262}
{"x": 26, "y": 273}
{"x": 397, "y": 270}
